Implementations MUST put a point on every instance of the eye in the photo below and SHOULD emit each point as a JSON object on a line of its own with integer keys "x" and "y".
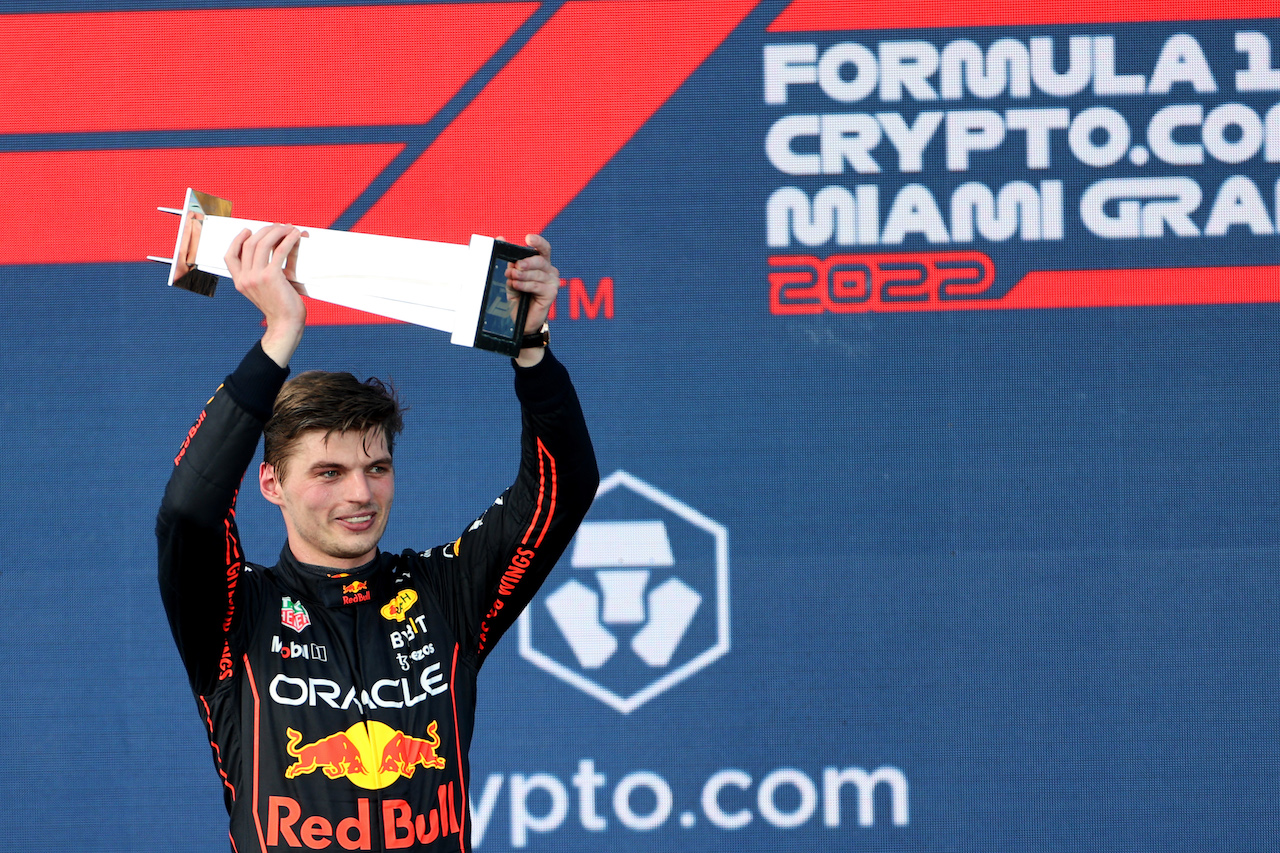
{"x": 330, "y": 474}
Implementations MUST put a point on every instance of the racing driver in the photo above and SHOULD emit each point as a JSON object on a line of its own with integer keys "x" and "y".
{"x": 338, "y": 687}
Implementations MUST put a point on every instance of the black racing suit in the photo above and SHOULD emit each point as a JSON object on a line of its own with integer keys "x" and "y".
{"x": 340, "y": 706}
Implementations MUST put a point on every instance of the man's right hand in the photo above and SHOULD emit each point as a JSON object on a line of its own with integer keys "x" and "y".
{"x": 262, "y": 265}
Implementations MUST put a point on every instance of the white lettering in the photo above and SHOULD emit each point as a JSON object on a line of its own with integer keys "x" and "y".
{"x": 711, "y": 799}
{"x": 1238, "y": 203}
{"x": 352, "y": 699}
{"x": 483, "y": 810}
{"x": 1105, "y": 80}
{"x": 1079, "y": 67}
{"x": 765, "y": 798}
{"x": 787, "y": 798}
{"x": 431, "y": 680}
{"x": 662, "y": 801}
{"x": 1143, "y": 207}
{"x": 1082, "y": 136}
{"x": 906, "y": 65}
{"x": 387, "y": 703}
{"x": 1182, "y": 61}
{"x": 850, "y": 137}
{"x": 833, "y": 212}
{"x": 323, "y": 688}
{"x": 787, "y": 64}
{"x": 914, "y": 212}
{"x": 778, "y": 145}
{"x": 283, "y": 680}
{"x": 519, "y": 788}
{"x": 1037, "y": 123}
{"x": 1161, "y": 129}
{"x": 1007, "y": 65}
{"x": 833, "y": 780}
{"x": 588, "y": 781}
{"x": 1273, "y": 134}
{"x": 971, "y": 130}
{"x": 1018, "y": 208}
{"x": 910, "y": 142}
{"x": 1258, "y": 76}
{"x": 1216, "y": 140}
{"x": 831, "y": 72}
{"x": 852, "y": 217}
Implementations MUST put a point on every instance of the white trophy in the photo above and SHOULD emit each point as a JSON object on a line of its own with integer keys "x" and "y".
{"x": 456, "y": 288}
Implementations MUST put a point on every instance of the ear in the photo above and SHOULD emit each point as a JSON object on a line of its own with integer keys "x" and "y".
{"x": 269, "y": 484}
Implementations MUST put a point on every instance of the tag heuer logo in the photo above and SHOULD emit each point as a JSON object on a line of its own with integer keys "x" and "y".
{"x": 293, "y": 614}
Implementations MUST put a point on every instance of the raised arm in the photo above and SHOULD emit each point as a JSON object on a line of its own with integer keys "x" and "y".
{"x": 501, "y": 560}
{"x": 262, "y": 265}
{"x": 199, "y": 553}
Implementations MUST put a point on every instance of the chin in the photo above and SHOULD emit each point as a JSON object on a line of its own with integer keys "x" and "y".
{"x": 353, "y": 551}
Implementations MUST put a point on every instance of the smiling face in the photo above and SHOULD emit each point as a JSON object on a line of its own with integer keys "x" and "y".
{"x": 336, "y": 496}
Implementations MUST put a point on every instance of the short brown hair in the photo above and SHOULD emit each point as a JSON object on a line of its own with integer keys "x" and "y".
{"x": 331, "y": 402}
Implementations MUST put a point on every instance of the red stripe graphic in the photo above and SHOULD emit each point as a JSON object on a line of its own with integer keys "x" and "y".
{"x": 546, "y": 470}
{"x": 217, "y": 750}
{"x": 100, "y": 206}
{"x": 242, "y": 68}
{"x": 551, "y": 508}
{"x": 542, "y": 494}
{"x": 552, "y": 118}
{"x": 462, "y": 777}
{"x": 257, "y": 749}
{"x": 831, "y": 15}
{"x": 1119, "y": 288}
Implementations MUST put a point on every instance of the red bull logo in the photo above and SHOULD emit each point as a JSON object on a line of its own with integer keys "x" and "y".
{"x": 370, "y": 755}
{"x": 356, "y": 592}
{"x": 401, "y": 826}
{"x": 337, "y": 755}
{"x": 403, "y": 754}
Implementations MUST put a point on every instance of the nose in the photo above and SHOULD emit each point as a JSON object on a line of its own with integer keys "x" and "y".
{"x": 357, "y": 488}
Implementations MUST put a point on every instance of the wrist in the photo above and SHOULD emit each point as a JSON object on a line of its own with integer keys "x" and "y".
{"x": 530, "y": 357}
{"x": 533, "y": 345}
{"x": 280, "y": 341}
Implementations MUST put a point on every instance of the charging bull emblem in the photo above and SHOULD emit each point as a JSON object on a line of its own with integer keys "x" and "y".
{"x": 336, "y": 754}
{"x": 370, "y": 755}
{"x": 403, "y": 754}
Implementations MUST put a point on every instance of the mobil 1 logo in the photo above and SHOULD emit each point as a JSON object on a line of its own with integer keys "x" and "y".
{"x": 639, "y": 601}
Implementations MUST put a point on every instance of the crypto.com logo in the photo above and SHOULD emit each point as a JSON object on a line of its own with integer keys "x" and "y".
{"x": 647, "y": 605}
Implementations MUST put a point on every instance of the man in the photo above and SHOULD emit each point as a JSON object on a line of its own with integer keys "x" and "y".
{"x": 338, "y": 687}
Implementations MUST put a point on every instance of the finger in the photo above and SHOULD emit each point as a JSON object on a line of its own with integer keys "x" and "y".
{"x": 232, "y": 257}
{"x": 250, "y": 250}
{"x": 286, "y": 250}
{"x": 294, "y": 242}
{"x": 542, "y": 285}
{"x": 268, "y": 239}
{"x": 533, "y": 268}
{"x": 537, "y": 241}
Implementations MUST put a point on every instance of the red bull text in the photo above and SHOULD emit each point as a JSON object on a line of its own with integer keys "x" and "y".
{"x": 401, "y": 826}
{"x": 356, "y": 592}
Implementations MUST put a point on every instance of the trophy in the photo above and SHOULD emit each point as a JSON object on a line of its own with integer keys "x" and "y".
{"x": 452, "y": 287}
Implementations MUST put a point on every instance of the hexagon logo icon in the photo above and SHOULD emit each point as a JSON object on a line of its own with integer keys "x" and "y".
{"x": 644, "y": 603}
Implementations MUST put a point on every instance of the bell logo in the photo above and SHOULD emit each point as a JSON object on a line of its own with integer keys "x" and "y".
{"x": 647, "y": 604}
